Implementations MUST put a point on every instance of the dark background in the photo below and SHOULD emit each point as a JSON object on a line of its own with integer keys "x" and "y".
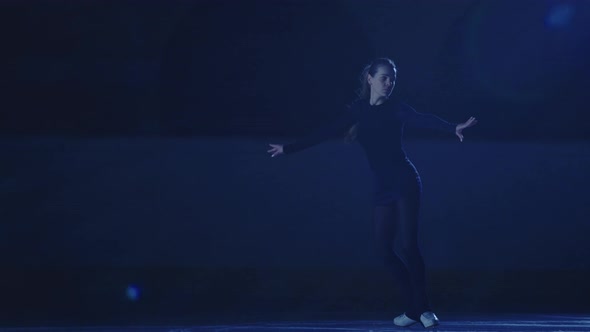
{"x": 135, "y": 184}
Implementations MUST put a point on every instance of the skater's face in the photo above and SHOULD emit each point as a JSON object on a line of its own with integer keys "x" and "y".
{"x": 383, "y": 82}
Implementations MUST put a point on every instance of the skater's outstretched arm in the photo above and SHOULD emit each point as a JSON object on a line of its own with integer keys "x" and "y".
{"x": 339, "y": 125}
{"x": 432, "y": 121}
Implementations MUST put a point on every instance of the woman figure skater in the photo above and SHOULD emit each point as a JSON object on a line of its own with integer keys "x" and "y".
{"x": 377, "y": 121}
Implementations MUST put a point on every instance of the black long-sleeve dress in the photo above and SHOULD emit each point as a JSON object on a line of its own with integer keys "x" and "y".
{"x": 379, "y": 131}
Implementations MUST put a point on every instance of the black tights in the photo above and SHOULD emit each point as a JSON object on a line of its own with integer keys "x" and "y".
{"x": 396, "y": 228}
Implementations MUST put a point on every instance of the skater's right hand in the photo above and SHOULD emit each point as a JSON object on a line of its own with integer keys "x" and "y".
{"x": 276, "y": 149}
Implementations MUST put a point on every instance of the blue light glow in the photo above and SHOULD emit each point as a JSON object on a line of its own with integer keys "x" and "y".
{"x": 560, "y": 15}
{"x": 132, "y": 293}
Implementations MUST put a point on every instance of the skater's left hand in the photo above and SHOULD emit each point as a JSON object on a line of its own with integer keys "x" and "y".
{"x": 469, "y": 123}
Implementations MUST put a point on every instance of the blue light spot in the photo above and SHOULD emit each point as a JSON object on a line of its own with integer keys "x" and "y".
{"x": 560, "y": 15}
{"x": 132, "y": 293}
